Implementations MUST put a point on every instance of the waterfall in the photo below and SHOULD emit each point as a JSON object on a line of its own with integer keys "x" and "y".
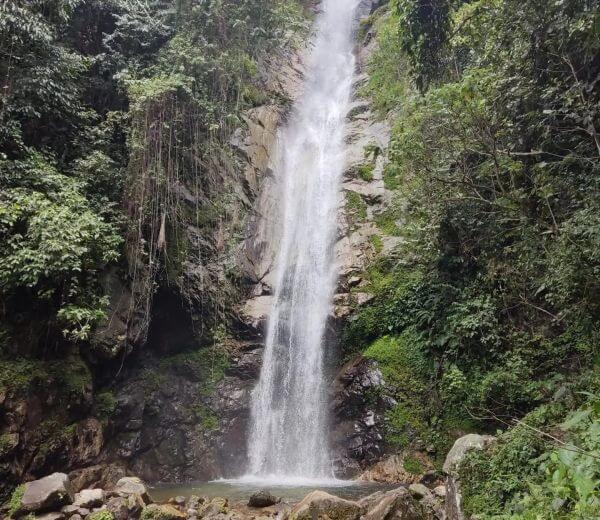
{"x": 288, "y": 435}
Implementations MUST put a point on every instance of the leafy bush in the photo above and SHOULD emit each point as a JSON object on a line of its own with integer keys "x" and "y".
{"x": 412, "y": 465}
{"x": 356, "y": 207}
{"x": 208, "y": 420}
{"x": 365, "y": 171}
{"x": 388, "y": 82}
{"x": 530, "y": 472}
{"x": 14, "y": 505}
{"x": 53, "y": 244}
{"x": 496, "y": 186}
{"x": 105, "y": 404}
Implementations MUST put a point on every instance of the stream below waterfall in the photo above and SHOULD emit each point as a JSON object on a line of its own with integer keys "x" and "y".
{"x": 237, "y": 491}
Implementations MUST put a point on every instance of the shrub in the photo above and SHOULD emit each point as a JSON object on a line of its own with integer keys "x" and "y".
{"x": 14, "y": 504}
{"x": 356, "y": 207}
{"x": 365, "y": 171}
{"x": 412, "y": 465}
{"x": 105, "y": 404}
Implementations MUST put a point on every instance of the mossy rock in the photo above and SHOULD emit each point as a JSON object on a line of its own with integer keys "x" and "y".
{"x": 101, "y": 515}
{"x": 161, "y": 512}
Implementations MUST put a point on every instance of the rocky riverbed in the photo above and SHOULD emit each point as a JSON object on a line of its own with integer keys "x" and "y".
{"x": 54, "y": 498}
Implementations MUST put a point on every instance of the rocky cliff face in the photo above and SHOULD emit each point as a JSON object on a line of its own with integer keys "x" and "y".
{"x": 167, "y": 396}
{"x": 356, "y": 415}
{"x": 164, "y": 388}
{"x": 188, "y": 419}
{"x": 185, "y": 429}
{"x": 358, "y": 405}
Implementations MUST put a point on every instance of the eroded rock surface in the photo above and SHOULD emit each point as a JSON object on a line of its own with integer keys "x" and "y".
{"x": 47, "y": 493}
{"x": 453, "y": 496}
{"x": 357, "y": 414}
{"x": 169, "y": 425}
{"x": 322, "y": 505}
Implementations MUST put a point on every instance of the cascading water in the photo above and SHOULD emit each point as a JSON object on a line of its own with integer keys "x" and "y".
{"x": 288, "y": 437}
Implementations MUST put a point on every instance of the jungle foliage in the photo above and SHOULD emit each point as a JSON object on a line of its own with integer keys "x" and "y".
{"x": 84, "y": 85}
{"x": 495, "y": 164}
{"x": 105, "y": 106}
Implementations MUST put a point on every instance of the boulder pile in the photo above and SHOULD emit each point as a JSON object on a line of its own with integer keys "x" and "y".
{"x": 51, "y": 498}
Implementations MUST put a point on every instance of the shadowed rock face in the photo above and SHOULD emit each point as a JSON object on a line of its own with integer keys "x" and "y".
{"x": 357, "y": 417}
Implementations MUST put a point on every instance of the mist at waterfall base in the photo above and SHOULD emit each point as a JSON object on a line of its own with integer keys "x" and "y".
{"x": 237, "y": 491}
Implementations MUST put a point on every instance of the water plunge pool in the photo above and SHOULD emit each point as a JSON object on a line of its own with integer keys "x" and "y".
{"x": 241, "y": 490}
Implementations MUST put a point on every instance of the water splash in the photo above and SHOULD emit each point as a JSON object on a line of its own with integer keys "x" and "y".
{"x": 288, "y": 437}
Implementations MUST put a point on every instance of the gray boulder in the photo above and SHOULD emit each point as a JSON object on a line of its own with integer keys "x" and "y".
{"x": 178, "y": 501}
{"x": 462, "y": 446}
{"x": 47, "y": 493}
{"x": 419, "y": 491}
{"x": 439, "y": 491}
{"x": 319, "y": 504}
{"x": 119, "y": 507}
{"x": 89, "y": 498}
{"x": 72, "y": 510}
{"x": 132, "y": 486}
{"x": 397, "y": 504}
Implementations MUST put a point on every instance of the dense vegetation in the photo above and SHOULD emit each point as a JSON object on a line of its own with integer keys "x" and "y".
{"x": 83, "y": 83}
{"x": 487, "y": 318}
{"x": 108, "y": 108}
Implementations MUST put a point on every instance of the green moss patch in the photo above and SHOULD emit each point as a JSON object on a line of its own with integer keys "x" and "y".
{"x": 14, "y": 504}
{"x": 365, "y": 171}
{"x": 208, "y": 420}
{"x": 356, "y": 207}
{"x": 105, "y": 403}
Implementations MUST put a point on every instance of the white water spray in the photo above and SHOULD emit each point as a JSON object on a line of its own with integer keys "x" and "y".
{"x": 288, "y": 437}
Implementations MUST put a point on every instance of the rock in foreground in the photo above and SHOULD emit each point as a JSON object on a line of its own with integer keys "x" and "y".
{"x": 263, "y": 498}
{"x": 47, "y": 493}
{"x": 321, "y": 505}
{"x": 397, "y": 504}
{"x": 50, "y": 498}
{"x": 453, "y": 496}
{"x": 89, "y": 498}
{"x": 132, "y": 486}
{"x": 462, "y": 446}
{"x": 162, "y": 512}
